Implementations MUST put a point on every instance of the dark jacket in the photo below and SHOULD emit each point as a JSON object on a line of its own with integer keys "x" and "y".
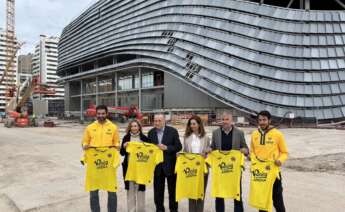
{"x": 238, "y": 139}
{"x": 172, "y": 140}
{"x": 123, "y": 152}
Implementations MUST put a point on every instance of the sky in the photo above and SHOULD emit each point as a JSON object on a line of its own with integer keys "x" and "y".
{"x": 42, "y": 17}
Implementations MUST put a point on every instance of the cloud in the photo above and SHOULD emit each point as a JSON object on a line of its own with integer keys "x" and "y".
{"x": 37, "y": 17}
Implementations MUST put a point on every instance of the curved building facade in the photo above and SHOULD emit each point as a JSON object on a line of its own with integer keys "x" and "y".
{"x": 240, "y": 54}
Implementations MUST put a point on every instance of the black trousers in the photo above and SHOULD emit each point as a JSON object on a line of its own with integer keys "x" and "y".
{"x": 238, "y": 205}
{"x": 159, "y": 186}
{"x": 198, "y": 205}
{"x": 220, "y": 205}
{"x": 94, "y": 201}
{"x": 277, "y": 196}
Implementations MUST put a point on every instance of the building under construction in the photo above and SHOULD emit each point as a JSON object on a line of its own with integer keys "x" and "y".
{"x": 9, "y": 78}
{"x": 246, "y": 56}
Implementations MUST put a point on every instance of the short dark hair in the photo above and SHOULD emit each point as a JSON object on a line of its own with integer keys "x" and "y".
{"x": 102, "y": 107}
{"x": 264, "y": 113}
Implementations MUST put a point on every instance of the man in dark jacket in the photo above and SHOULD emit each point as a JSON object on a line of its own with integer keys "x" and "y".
{"x": 167, "y": 139}
{"x": 228, "y": 137}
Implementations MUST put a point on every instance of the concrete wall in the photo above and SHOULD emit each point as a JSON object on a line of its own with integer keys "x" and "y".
{"x": 178, "y": 94}
{"x": 67, "y": 96}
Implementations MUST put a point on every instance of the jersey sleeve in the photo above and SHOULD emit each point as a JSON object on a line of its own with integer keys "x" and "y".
{"x": 177, "y": 166}
{"x": 116, "y": 137}
{"x": 252, "y": 150}
{"x": 117, "y": 159}
{"x": 282, "y": 148}
{"x": 86, "y": 137}
{"x": 83, "y": 158}
{"x": 159, "y": 156}
{"x": 130, "y": 147}
{"x": 205, "y": 167}
{"x": 242, "y": 161}
{"x": 208, "y": 160}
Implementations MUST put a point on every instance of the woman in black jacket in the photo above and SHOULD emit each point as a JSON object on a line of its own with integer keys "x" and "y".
{"x": 135, "y": 192}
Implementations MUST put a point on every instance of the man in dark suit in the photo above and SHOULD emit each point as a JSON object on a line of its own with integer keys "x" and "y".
{"x": 228, "y": 137}
{"x": 168, "y": 140}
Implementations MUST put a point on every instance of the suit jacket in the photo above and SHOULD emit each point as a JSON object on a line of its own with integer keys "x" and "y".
{"x": 187, "y": 144}
{"x": 172, "y": 140}
{"x": 238, "y": 140}
{"x": 123, "y": 152}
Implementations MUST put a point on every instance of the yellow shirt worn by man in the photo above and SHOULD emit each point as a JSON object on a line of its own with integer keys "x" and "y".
{"x": 143, "y": 158}
{"x": 263, "y": 176}
{"x": 101, "y": 135}
{"x": 226, "y": 171}
{"x": 268, "y": 145}
{"x": 190, "y": 170}
{"x": 101, "y": 165}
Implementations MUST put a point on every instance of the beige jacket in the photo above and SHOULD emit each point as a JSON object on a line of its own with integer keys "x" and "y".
{"x": 205, "y": 144}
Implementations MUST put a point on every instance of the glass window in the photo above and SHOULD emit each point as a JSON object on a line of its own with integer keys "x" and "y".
{"x": 327, "y": 101}
{"x": 107, "y": 99}
{"x": 341, "y": 63}
{"x": 74, "y": 88}
{"x": 326, "y": 89}
{"x": 308, "y": 77}
{"x": 309, "y": 102}
{"x": 329, "y": 28}
{"x": 316, "y": 64}
{"x": 300, "y": 101}
{"x": 147, "y": 80}
{"x": 331, "y": 52}
{"x": 125, "y": 82}
{"x": 333, "y": 64}
{"x": 334, "y": 76}
{"x": 336, "y": 100}
{"x": 318, "y": 102}
{"x": 89, "y": 86}
{"x": 324, "y": 64}
{"x": 322, "y": 40}
{"x": 105, "y": 84}
{"x": 330, "y": 40}
{"x": 136, "y": 81}
{"x": 317, "y": 89}
{"x": 323, "y": 52}
{"x": 325, "y": 76}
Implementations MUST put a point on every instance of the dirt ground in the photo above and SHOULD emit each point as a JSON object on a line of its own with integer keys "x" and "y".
{"x": 40, "y": 171}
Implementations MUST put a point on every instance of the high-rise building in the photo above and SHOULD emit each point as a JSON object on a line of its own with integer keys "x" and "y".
{"x": 11, "y": 76}
{"x": 44, "y": 66}
{"x": 24, "y": 67}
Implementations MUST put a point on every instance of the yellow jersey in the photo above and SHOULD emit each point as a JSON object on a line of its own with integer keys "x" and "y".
{"x": 226, "y": 172}
{"x": 101, "y": 135}
{"x": 268, "y": 145}
{"x": 190, "y": 170}
{"x": 143, "y": 158}
{"x": 263, "y": 176}
{"x": 101, "y": 166}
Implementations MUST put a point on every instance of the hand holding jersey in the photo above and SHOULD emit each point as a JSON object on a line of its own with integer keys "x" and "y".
{"x": 263, "y": 175}
{"x": 226, "y": 171}
{"x": 143, "y": 158}
{"x": 190, "y": 169}
{"x": 101, "y": 168}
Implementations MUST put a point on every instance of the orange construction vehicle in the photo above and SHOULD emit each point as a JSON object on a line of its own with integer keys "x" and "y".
{"x": 120, "y": 113}
{"x": 18, "y": 97}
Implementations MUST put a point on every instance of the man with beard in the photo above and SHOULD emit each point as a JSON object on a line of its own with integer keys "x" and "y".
{"x": 268, "y": 144}
{"x": 101, "y": 133}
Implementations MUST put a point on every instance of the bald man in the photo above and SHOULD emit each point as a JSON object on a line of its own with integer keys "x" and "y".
{"x": 228, "y": 137}
{"x": 167, "y": 139}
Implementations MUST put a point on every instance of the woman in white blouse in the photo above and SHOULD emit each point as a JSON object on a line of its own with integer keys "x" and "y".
{"x": 196, "y": 141}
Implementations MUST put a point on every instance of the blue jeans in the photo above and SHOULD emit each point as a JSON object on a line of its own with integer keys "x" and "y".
{"x": 94, "y": 201}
